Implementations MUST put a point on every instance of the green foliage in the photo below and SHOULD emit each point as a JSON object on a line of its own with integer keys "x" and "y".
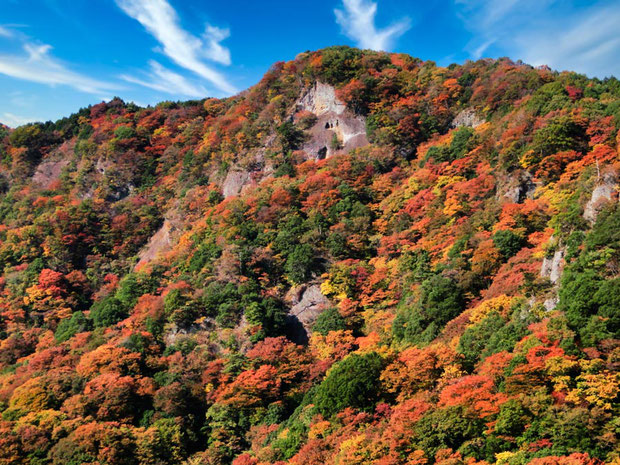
{"x": 549, "y": 97}
{"x": 415, "y": 266}
{"x": 300, "y": 263}
{"x": 136, "y": 342}
{"x": 29, "y": 136}
{"x": 329, "y": 320}
{"x": 512, "y": 418}
{"x": 335, "y": 143}
{"x": 179, "y": 307}
{"x": 587, "y": 294}
{"x": 450, "y": 427}
{"x": 606, "y": 231}
{"x": 167, "y": 442}
{"x": 124, "y": 132}
{"x": 561, "y": 133}
{"x": 508, "y": 242}
{"x": 353, "y": 382}
{"x": 505, "y": 338}
{"x": 132, "y": 286}
{"x": 69, "y": 327}
{"x": 441, "y": 300}
{"x": 462, "y": 142}
{"x": 336, "y": 244}
{"x": 340, "y": 64}
{"x": 269, "y": 314}
{"x": 475, "y": 338}
{"x": 108, "y": 311}
{"x": 204, "y": 256}
{"x": 221, "y": 300}
{"x": 290, "y": 136}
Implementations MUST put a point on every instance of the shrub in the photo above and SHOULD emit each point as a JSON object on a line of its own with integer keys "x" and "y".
{"x": 508, "y": 242}
{"x": 69, "y": 327}
{"x": 440, "y": 301}
{"x": 329, "y": 320}
{"x": 299, "y": 263}
{"x": 475, "y": 338}
{"x": 107, "y": 312}
{"x": 354, "y": 382}
{"x": 124, "y": 132}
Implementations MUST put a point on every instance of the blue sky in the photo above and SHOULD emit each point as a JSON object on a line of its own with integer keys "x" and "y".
{"x": 59, "y": 55}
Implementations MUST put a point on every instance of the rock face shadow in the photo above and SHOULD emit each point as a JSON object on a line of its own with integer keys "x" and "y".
{"x": 306, "y": 302}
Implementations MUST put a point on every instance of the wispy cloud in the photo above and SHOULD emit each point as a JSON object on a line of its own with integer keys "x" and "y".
{"x": 548, "y": 32}
{"x": 164, "y": 80}
{"x": 214, "y": 50}
{"x": 38, "y": 65}
{"x": 589, "y": 43}
{"x": 4, "y": 32}
{"x": 13, "y": 121}
{"x": 186, "y": 50}
{"x": 357, "y": 20}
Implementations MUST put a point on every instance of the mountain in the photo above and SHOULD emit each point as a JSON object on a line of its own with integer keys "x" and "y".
{"x": 363, "y": 259}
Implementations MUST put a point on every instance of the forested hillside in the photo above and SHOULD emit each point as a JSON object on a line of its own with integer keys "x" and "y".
{"x": 363, "y": 259}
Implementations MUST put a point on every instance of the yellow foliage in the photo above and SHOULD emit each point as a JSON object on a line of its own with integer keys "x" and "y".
{"x": 30, "y": 397}
{"x": 318, "y": 430}
{"x": 326, "y": 347}
{"x": 559, "y": 369}
{"x": 452, "y": 205}
{"x": 351, "y": 450}
{"x": 44, "y": 419}
{"x": 596, "y": 389}
{"x": 502, "y": 458}
{"x": 444, "y": 181}
{"x": 500, "y": 304}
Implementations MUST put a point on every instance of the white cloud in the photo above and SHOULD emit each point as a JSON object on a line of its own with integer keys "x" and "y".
{"x": 37, "y": 65}
{"x": 589, "y": 44}
{"x": 161, "y": 20}
{"x": 357, "y": 21}
{"x": 164, "y": 80}
{"x": 554, "y": 33}
{"x": 214, "y": 50}
{"x": 13, "y": 121}
{"x": 4, "y": 32}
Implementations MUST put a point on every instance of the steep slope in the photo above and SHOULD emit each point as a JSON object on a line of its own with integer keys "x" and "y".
{"x": 365, "y": 258}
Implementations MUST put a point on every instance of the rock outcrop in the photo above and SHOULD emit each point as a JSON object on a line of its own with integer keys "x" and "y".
{"x": 467, "y": 118}
{"x": 552, "y": 268}
{"x": 235, "y": 181}
{"x": 605, "y": 191}
{"x": 163, "y": 240}
{"x": 49, "y": 170}
{"x": 337, "y": 129}
{"x": 307, "y": 303}
{"x": 518, "y": 188}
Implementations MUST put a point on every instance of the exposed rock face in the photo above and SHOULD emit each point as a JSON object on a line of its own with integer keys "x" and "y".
{"x": 467, "y": 118}
{"x": 50, "y": 169}
{"x": 321, "y": 99}
{"x": 606, "y": 191}
{"x": 551, "y": 303}
{"x": 235, "y": 181}
{"x": 48, "y": 172}
{"x": 333, "y": 119}
{"x": 163, "y": 240}
{"x": 519, "y": 188}
{"x": 175, "y": 333}
{"x": 307, "y": 303}
{"x": 552, "y": 267}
